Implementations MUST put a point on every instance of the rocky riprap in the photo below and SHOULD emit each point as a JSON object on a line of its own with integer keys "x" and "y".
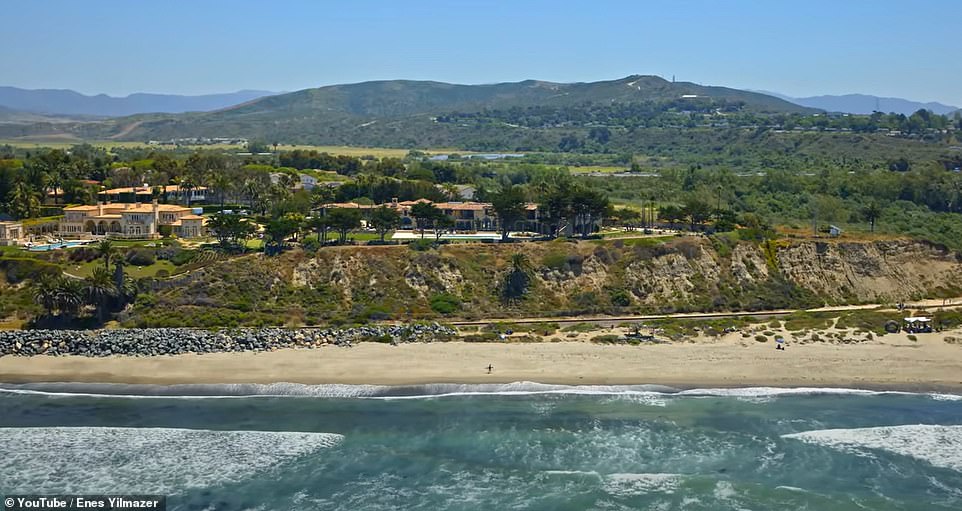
{"x": 175, "y": 341}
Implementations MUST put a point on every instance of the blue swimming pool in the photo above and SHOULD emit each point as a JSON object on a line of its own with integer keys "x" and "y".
{"x": 54, "y": 246}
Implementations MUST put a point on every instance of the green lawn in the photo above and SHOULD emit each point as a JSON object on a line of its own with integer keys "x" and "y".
{"x": 87, "y": 269}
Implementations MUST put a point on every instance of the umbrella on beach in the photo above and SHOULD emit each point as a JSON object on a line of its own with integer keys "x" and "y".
{"x": 779, "y": 340}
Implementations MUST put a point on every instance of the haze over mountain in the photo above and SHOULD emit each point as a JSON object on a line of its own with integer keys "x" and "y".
{"x": 68, "y": 102}
{"x": 865, "y": 104}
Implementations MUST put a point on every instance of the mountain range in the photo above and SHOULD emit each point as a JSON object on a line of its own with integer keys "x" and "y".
{"x": 866, "y": 104}
{"x": 523, "y": 115}
{"x": 402, "y": 112}
{"x": 62, "y": 102}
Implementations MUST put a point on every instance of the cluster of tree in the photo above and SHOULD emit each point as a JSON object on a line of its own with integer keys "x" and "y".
{"x": 691, "y": 113}
{"x": 64, "y": 298}
{"x": 663, "y": 113}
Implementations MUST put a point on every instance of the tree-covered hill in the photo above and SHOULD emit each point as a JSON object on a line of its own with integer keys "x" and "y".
{"x": 401, "y": 112}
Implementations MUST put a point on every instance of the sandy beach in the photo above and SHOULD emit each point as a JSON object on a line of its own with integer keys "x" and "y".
{"x": 892, "y": 362}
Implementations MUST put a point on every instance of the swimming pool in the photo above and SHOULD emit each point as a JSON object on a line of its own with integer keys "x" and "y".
{"x": 54, "y": 246}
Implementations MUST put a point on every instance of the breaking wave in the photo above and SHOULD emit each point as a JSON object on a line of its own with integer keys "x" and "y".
{"x": 143, "y": 460}
{"x": 940, "y": 446}
{"x": 426, "y": 391}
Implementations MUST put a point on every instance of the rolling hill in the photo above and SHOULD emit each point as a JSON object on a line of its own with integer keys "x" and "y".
{"x": 866, "y": 104}
{"x": 68, "y": 102}
{"x": 403, "y": 113}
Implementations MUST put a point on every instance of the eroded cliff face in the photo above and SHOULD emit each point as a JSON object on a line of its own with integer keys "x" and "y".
{"x": 682, "y": 274}
{"x": 879, "y": 271}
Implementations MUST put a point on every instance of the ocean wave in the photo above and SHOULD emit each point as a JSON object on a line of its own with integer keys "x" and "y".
{"x": 626, "y": 485}
{"x": 644, "y": 394}
{"x": 143, "y": 460}
{"x": 940, "y": 446}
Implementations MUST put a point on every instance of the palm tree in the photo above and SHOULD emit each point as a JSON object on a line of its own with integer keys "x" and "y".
{"x": 107, "y": 250}
{"x": 517, "y": 281}
{"x": 23, "y": 200}
{"x": 100, "y": 289}
{"x": 187, "y": 186}
{"x": 45, "y": 293}
{"x": 221, "y": 181}
{"x": 70, "y": 295}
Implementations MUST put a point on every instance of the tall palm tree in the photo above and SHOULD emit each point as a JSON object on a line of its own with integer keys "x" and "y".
{"x": 45, "y": 293}
{"x": 221, "y": 181}
{"x": 70, "y": 295}
{"x": 107, "y": 250}
{"x": 23, "y": 200}
{"x": 100, "y": 289}
{"x": 187, "y": 185}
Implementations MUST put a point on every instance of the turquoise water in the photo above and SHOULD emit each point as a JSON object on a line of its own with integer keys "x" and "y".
{"x": 517, "y": 446}
{"x": 54, "y": 246}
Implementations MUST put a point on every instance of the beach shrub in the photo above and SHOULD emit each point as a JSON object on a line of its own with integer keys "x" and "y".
{"x": 421, "y": 245}
{"x": 606, "y": 339}
{"x": 18, "y": 269}
{"x": 482, "y": 337}
{"x": 311, "y": 244}
{"x": 554, "y": 261}
{"x": 580, "y": 327}
{"x": 620, "y": 298}
{"x": 913, "y": 338}
{"x": 140, "y": 257}
{"x": 445, "y": 303}
{"x": 182, "y": 257}
{"x": 761, "y": 338}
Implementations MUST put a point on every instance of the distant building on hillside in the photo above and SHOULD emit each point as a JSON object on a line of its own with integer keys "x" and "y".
{"x": 475, "y": 216}
{"x": 145, "y": 193}
{"x": 308, "y": 182}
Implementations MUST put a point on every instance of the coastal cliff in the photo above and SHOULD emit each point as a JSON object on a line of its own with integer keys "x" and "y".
{"x": 345, "y": 284}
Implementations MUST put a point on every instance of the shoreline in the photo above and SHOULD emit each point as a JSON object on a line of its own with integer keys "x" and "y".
{"x": 928, "y": 365}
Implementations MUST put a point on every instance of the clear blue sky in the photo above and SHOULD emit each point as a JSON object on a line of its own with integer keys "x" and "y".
{"x": 899, "y": 48}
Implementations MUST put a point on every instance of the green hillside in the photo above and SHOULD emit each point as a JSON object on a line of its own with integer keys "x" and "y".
{"x": 400, "y": 113}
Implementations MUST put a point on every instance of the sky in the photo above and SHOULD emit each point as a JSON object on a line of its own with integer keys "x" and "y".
{"x": 908, "y": 49}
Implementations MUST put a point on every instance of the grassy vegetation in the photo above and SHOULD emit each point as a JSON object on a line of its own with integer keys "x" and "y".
{"x": 808, "y": 321}
{"x": 376, "y": 152}
{"x": 86, "y": 269}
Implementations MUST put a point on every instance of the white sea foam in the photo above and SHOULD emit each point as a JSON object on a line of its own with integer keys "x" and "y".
{"x": 626, "y": 485}
{"x": 724, "y": 491}
{"x": 143, "y": 460}
{"x": 653, "y": 395}
{"x": 590, "y": 473}
{"x": 940, "y": 446}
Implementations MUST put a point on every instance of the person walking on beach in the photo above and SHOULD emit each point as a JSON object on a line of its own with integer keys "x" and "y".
{"x": 490, "y": 368}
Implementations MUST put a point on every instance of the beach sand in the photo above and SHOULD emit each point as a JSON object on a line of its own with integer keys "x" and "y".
{"x": 893, "y": 361}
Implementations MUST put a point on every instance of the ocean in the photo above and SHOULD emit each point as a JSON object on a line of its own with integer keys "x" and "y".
{"x": 485, "y": 447}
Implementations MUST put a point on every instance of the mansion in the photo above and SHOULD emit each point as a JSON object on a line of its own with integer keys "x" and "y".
{"x": 11, "y": 233}
{"x": 142, "y": 221}
{"x": 471, "y": 216}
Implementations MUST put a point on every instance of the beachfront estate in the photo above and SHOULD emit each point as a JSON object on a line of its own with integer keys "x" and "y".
{"x": 471, "y": 216}
{"x": 11, "y": 233}
{"x": 140, "y": 221}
